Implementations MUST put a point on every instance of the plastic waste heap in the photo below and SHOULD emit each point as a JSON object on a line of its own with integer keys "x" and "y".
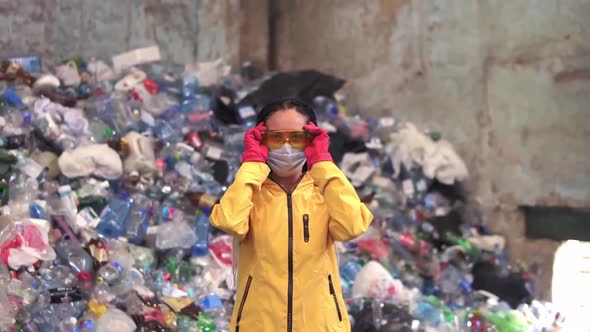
{"x": 109, "y": 169}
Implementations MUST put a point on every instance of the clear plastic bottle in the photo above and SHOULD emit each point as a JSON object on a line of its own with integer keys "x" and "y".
{"x": 72, "y": 254}
{"x": 114, "y": 110}
{"x": 111, "y": 273}
{"x": 21, "y": 190}
{"x": 188, "y": 88}
{"x": 7, "y": 310}
{"x": 113, "y": 219}
{"x": 68, "y": 203}
{"x": 166, "y": 132}
{"x": 140, "y": 215}
{"x": 98, "y": 131}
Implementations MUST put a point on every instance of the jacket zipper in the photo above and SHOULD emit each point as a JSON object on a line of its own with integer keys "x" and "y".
{"x": 333, "y": 293}
{"x": 242, "y": 303}
{"x": 290, "y": 252}
{"x": 290, "y": 266}
{"x": 306, "y": 227}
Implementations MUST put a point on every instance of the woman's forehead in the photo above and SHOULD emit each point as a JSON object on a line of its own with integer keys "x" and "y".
{"x": 285, "y": 120}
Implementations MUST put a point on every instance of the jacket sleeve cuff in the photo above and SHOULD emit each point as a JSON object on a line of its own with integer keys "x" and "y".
{"x": 253, "y": 171}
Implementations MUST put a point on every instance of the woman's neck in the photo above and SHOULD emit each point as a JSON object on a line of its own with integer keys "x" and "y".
{"x": 288, "y": 183}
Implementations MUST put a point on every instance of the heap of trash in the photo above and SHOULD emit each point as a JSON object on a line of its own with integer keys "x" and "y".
{"x": 110, "y": 169}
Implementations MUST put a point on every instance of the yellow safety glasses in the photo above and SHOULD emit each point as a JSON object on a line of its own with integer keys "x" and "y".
{"x": 277, "y": 138}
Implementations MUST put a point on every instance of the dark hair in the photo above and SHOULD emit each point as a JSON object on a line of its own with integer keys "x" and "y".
{"x": 283, "y": 105}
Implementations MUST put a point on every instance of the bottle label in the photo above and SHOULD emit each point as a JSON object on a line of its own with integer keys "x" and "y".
{"x": 195, "y": 140}
{"x": 408, "y": 187}
{"x": 29, "y": 63}
{"x": 87, "y": 217}
{"x": 246, "y": 112}
{"x": 65, "y": 295}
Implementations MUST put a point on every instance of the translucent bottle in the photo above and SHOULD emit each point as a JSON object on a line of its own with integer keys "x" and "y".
{"x": 72, "y": 254}
{"x": 98, "y": 131}
{"x": 113, "y": 219}
{"x": 140, "y": 215}
{"x": 7, "y": 310}
{"x": 111, "y": 273}
{"x": 21, "y": 190}
{"x": 348, "y": 271}
{"x": 201, "y": 247}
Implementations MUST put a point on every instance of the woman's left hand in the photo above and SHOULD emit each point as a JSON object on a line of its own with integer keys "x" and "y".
{"x": 317, "y": 150}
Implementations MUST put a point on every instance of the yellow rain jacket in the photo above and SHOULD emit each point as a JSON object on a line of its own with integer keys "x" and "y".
{"x": 288, "y": 277}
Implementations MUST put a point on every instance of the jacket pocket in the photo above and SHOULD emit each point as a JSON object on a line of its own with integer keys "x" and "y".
{"x": 243, "y": 302}
{"x": 306, "y": 227}
{"x": 333, "y": 293}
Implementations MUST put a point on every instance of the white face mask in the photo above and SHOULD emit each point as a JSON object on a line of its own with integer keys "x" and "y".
{"x": 286, "y": 160}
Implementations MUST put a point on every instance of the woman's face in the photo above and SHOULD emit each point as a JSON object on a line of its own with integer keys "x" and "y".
{"x": 286, "y": 120}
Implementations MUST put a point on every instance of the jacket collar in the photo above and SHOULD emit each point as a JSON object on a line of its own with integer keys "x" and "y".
{"x": 306, "y": 182}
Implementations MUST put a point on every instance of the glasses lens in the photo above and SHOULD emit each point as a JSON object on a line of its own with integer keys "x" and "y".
{"x": 274, "y": 140}
{"x": 297, "y": 139}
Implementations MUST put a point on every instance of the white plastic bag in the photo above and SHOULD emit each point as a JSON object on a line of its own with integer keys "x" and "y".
{"x": 68, "y": 73}
{"x": 28, "y": 244}
{"x": 95, "y": 159}
{"x": 410, "y": 147}
{"x": 374, "y": 281}
{"x": 115, "y": 320}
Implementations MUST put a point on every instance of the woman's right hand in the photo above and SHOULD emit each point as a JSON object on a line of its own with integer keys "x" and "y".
{"x": 255, "y": 151}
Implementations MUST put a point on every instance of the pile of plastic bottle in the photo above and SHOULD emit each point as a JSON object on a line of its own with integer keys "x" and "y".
{"x": 109, "y": 172}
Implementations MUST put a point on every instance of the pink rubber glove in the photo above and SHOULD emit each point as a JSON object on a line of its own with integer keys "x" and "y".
{"x": 254, "y": 150}
{"x": 317, "y": 150}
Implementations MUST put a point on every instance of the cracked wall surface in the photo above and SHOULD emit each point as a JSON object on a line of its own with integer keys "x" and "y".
{"x": 508, "y": 82}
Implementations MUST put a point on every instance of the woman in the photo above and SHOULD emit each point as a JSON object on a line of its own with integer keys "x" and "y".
{"x": 288, "y": 204}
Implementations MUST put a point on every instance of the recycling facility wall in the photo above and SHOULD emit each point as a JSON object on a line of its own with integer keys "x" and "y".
{"x": 507, "y": 82}
{"x": 186, "y": 30}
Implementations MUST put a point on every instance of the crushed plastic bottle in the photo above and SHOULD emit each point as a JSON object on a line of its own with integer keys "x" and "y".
{"x": 113, "y": 219}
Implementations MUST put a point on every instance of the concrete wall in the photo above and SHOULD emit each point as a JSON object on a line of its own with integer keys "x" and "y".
{"x": 508, "y": 82}
{"x": 185, "y": 30}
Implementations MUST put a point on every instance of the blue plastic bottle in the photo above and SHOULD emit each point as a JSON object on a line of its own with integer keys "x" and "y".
{"x": 113, "y": 219}
{"x": 201, "y": 247}
{"x": 349, "y": 270}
